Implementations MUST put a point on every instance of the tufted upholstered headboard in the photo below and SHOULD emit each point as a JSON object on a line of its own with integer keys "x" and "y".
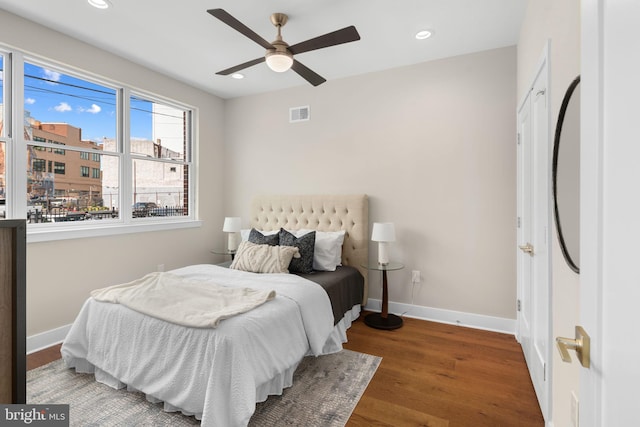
{"x": 323, "y": 213}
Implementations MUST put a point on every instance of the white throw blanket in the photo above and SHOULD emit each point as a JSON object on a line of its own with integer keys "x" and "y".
{"x": 173, "y": 298}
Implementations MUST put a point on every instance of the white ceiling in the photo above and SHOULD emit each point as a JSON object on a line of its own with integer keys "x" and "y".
{"x": 180, "y": 39}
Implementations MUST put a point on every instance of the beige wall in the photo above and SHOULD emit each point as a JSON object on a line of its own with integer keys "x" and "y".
{"x": 432, "y": 145}
{"x": 60, "y": 274}
{"x": 558, "y": 21}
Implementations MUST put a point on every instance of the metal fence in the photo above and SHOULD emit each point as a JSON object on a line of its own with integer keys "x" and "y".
{"x": 60, "y": 214}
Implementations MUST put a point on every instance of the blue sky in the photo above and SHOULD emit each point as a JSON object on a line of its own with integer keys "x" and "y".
{"x": 54, "y": 97}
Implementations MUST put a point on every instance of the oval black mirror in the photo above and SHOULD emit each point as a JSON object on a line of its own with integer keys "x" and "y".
{"x": 566, "y": 176}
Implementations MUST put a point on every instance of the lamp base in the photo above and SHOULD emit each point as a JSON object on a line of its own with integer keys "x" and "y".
{"x": 375, "y": 320}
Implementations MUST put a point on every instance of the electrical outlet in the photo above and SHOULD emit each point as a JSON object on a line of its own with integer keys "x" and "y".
{"x": 415, "y": 276}
{"x": 574, "y": 410}
{"x": 160, "y": 267}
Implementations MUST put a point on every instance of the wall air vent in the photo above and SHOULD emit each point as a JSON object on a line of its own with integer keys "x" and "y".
{"x": 298, "y": 114}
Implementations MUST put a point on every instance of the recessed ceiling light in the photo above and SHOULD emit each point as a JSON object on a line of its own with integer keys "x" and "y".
{"x": 237, "y": 76}
{"x": 424, "y": 34}
{"x": 100, "y": 4}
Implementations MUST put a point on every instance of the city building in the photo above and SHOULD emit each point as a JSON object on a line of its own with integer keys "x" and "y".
{"x": 153, "y": 181}
{"x": 72, "y": 176}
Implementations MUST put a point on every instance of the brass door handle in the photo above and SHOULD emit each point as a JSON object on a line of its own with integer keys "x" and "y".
{"x": 581, "y": 344}
{"x": 528, "y": 248}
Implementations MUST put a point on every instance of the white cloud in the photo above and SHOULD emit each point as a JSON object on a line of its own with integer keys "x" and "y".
{"x": 29, "y": 101}
{"x": 62, "y": 107}
{"x": 52, "y": 75}
{"x": 95, "y": 109}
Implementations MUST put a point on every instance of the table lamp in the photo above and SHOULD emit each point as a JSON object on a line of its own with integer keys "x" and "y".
{"x": 232, "y": 226}
{"x": 383, "y": 233}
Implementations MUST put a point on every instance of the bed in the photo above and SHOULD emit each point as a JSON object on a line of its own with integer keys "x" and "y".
{"x": 218, "y": 374}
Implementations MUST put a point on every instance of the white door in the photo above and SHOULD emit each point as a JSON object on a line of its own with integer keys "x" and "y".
{"x": 610, "y": 212}
{"x": 533, "y": 234}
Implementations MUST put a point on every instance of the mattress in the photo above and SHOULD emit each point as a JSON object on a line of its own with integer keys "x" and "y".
{"x": 219, "y": 374}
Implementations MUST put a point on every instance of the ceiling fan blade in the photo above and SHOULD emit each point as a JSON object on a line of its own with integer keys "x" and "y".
{"x": 307, "y": 74}
{"x": 241, "y": 66}
{"x": 225, "y": 17}
{"x": 345, "y": 35}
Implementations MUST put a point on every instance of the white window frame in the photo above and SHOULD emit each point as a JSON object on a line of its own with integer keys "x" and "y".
{"x": 16, "y": 153}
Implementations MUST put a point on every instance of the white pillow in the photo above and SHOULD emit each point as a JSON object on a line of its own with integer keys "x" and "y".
{"x": 327, "y": 253}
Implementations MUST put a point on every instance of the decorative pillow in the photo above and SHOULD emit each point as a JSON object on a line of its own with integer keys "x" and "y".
{"x": 305, "y": 244}
{"x": 263, "y": 239}
{"x": 264, "y": 258}
{"x": 327, "y": 252}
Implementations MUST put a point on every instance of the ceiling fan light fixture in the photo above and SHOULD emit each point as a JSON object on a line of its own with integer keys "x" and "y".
{"x": 279, "y": 61}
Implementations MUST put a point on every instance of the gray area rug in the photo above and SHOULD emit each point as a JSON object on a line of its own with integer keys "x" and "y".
{"x": 325, "y": 391}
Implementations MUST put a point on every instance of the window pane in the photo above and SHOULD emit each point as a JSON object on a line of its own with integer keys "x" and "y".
{"x": 67, "y": 190}
{"x": 159, "y": 189}
{"x": 67, "y": 108}
{"x": 163, "y": 125}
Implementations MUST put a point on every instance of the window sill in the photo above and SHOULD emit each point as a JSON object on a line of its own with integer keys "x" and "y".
{"x": 75, "y": 231}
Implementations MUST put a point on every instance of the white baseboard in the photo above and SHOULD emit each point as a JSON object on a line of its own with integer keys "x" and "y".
{"x": 477, "y": 321}
{"x": 46, "y": 339}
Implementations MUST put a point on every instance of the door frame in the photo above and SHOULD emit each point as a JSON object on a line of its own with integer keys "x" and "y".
{"x": 591, "y": 205}
{"x": 543, "y": 250}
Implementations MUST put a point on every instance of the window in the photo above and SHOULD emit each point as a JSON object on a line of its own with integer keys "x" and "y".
{"x": 39, "y": 165}
{"x": 66, "y": 121}
{"x": 166, "y": 150}
{"x": 58, "y": 150}
{"x": 59, "y": 168}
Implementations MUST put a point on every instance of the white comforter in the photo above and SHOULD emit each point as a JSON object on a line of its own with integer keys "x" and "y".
{"x": 215, "y": 374}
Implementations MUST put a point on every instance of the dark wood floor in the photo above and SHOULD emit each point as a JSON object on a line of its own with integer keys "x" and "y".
{"x": 433, "y": 375}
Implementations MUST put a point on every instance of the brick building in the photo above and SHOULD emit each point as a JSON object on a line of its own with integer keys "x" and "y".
{"x": 59, "y": 172}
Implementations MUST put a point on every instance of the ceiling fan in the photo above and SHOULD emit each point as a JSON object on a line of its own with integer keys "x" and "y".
{"x": 279, "y": 55}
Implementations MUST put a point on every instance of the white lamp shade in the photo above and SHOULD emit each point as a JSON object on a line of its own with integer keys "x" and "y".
{"x": 383, "y": 232}
{"x": 278, "y": 61}
{"x": 232, "y": 224}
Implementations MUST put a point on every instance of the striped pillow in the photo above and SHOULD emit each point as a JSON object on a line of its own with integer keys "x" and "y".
{"x": 264, "y": 258}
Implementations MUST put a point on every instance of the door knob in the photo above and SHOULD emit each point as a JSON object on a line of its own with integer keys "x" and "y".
{"x": 581, "y": 344}
{"x": 528, "y": 248}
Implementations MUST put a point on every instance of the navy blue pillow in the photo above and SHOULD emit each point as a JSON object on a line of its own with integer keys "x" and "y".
{"x": 260, "y": 239}
{"x": 305, "y": 244}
